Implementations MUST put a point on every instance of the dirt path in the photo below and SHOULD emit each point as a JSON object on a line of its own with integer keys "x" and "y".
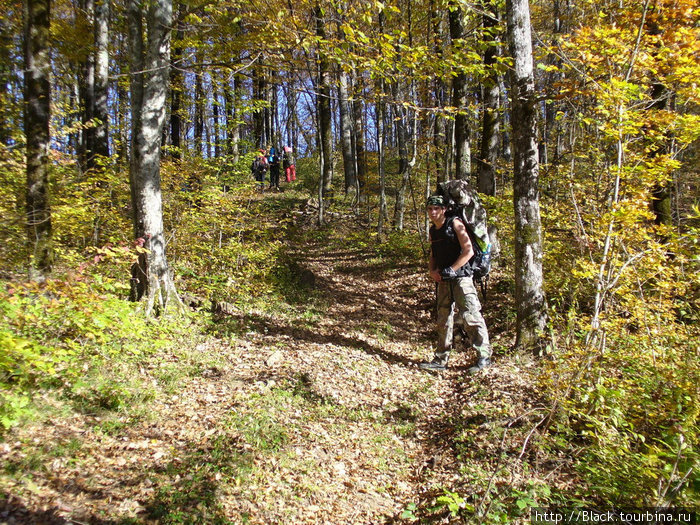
{"x": 301, "y": 418}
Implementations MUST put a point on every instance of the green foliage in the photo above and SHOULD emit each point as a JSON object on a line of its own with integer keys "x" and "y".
{"x": 72, "y": 336}
{"x": 12, "y": 191}
{"x": 623, "y": 290}
{"x": 12, "y": 408}
{"x": 454, "y": 503}
{"x": 226, "y": 244}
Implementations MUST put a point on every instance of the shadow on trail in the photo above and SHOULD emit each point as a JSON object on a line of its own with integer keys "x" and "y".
{"x": 14, "y": 511}
{"x": 242, "y": 322}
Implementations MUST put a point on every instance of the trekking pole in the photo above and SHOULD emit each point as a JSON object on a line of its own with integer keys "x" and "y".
{"x": 483, "y": 283}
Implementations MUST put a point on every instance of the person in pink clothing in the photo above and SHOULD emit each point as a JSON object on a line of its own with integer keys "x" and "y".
{"x": 290, "y": 170}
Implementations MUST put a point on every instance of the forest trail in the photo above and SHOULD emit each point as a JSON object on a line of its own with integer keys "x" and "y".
{"x": 301, "y": 418}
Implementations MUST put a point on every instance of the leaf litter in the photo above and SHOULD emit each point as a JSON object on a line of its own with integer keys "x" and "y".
{"x": 327, "y": 420}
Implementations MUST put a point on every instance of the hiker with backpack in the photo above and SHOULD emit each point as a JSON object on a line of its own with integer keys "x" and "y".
{"x": 258, "y": 169}
{"x": 290, "y": 170}
{"x": 451, "y": 251}
{"x": 274, "y": 163}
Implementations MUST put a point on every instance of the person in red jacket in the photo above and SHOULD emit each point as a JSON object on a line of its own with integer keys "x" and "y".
{"x": 290, "y": 170}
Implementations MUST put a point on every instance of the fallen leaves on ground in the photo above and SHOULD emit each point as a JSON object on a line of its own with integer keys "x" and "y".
{"x": 325, "y": 420}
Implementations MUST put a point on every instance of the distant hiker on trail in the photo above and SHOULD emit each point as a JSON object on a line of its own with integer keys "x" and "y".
{"x": 274, "y": 162}
{"x": 290, "y": 170}
{"x": 258, "y": 169}
{"x": 450, "y": 252}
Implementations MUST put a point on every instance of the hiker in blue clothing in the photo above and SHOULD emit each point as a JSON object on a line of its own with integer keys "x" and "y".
{"x": 450, "y": 253}
{"x": 274, "y": 162}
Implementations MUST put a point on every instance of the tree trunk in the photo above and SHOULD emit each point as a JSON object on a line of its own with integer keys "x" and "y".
{"x": 37, "y": 96}
{"x": 149, "y": 56}
{"x": 177, "y": 82}
{"x": 291, "y": 122}
{"x": 259, "y": 115}
{"x": 380, "y": 108}
{"x": 486, "y": 178}
{"x": 440, "y": 135}
{"x": 7, "y": 74}
{"x": 401, "y": 118}
{"x": 459, "y": 101}
{"x": 87, "y": 94}
{"x": 323, "y": 101}
{"x": 529, "y": 294}
{"x": 101, "y": 109}
{"x": 661, "y": 193}
{"x": 346, "y": 131}
{"x": 359, "y": 133}
{"x": 233, "y": 128}
{"x": 199, "y": 101}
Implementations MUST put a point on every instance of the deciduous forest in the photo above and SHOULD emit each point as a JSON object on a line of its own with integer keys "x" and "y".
{"x": 183, "y": 343}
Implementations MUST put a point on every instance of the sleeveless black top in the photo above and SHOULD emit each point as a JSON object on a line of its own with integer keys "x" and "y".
{"x": 445, "y": 246}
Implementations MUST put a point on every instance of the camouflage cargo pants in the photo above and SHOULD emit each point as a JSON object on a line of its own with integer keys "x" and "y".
{"x": 462, "y": 294}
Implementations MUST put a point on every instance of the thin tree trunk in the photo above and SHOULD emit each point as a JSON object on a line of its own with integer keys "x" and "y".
{"x": 87, "y": 96}
{"x": 661, "y": 193}
{"x": 531, "y": 318}
{"x": 216, "y": 124}
{"x": 323, "y": 100}
{"x": 37, "y": 96}
{"x": 199, "y": 101}
{"x": 233, "y": 128}
{"x": 459, "y": 101}
{"x": 177, "y": 82}
{"x": 486, "y": 178}
{"x": 259, "y": 115}
{"x": 346, "y": 131}
{"x": 101, "y": 111}
{"x": 359, "y": 133}
{"x": 440, "y": 135}
{"x": 401, "y": 118}
{"x": 381, "y": 139}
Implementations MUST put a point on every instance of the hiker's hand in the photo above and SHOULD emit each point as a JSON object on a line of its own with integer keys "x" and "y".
{"x": 435, "y": 274}
{"x": 448, "y": 273}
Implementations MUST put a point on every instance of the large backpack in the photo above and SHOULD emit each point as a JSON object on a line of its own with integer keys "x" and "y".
{"x": 259, "y": 165}
{"x": 463, "y": 202}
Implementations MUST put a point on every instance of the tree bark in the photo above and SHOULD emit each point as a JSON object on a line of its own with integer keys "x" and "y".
{"x": 381, "y": 139}
{"x": 529, "y": 293}
{"x": 101, "y": 111}
{"x": 486, "y": 177}
{"x": 401, "y": 117}
{"x": 440, "y": 135}
{"x": 346, "y": 131}
{"x": 199, "y": 102}
{"x": 233, "y": 128}
{"x": 37, "y": 96}
{"x": 323, "y": 101}
{"x": 459, "y": 101}
{"x": 86, "y": 88}
{"x": 358, "y": 136}
{"x": 259, "y": 115}
{"x": 661, "y": 193}
{"x": 149, "y": 57}
{"x": 176, "y": 87}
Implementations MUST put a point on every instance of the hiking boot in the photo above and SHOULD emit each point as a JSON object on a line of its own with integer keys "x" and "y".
{"x": 483, "y": 362}
{"x": 433, "y": 365}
